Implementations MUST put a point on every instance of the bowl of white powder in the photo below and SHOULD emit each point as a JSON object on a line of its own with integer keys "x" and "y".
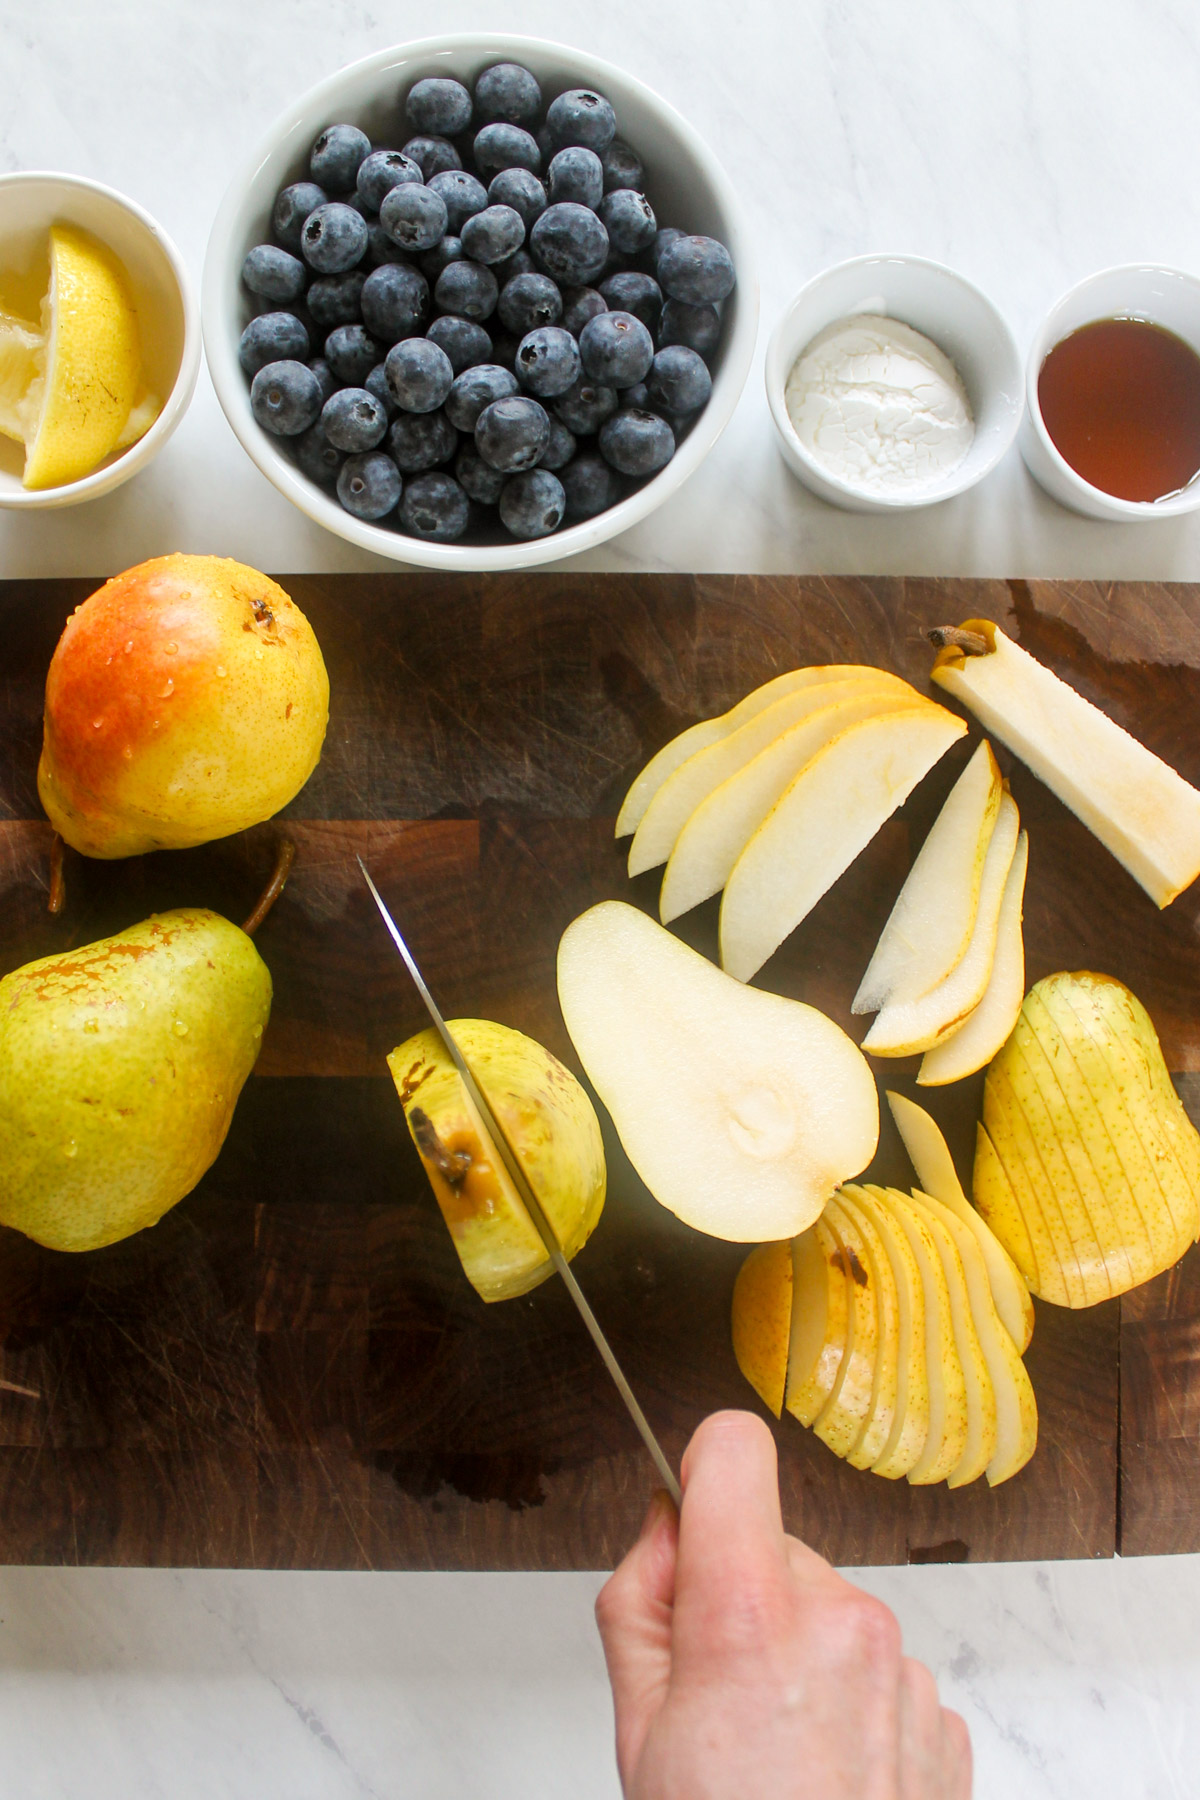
{"x": 893, "y": 383}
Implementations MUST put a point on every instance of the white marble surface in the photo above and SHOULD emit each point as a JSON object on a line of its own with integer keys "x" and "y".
{"x": 1026, "y": 142}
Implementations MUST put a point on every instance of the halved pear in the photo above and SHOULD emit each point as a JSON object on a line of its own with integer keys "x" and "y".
{"x": 867, "y": 1254}
{"x": 930, "y": 1157}
{"x": 910, "y": 1426}
{"x": 740, "y": 1110}
{"x": 904, "y": 1027}
{"x": 1016, "y": 1405}
{"x": 983, "y": 1031}
{"x": 820, "y": 1321}
{"x": 930, "y": 926}
{"x": 1139, "y": 808}
{"x": 830, "y": 811}
{"x": 840, "y": 1421}
{"x": 762, "y": 1320}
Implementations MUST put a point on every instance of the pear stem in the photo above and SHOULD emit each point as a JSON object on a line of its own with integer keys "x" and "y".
{"x": 452, "y": 1165}
{"x": 949, "y": 637}
{"x": 284, "y": 859}
{"x": 58, "y": 885}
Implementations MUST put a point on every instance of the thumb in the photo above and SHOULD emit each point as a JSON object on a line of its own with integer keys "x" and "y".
{"x": 634, "y": 1611}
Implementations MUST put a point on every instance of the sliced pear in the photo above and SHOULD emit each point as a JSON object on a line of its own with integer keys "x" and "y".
{"x": 903, "y": 1028}
{"x": 820, "y": 1321}
{"x": 740, "y": 1110}
{"x": 867, "y": 1254}
{"x": 910, "y": 1426}
{"x": 997, "y": 1204}
{"x": 1139, "y": 808}
{"x": 1020, "y": 1151}
{"x": 762, "y": 1320}
{"x": 930, "y": 1157}
{"x": 1016, "y": 1405}
{"x": 930, "y": 926}
{"x": 982, "y": 1033}
{"x": 840, "y": 1421}
{"x": 830, "y": 811}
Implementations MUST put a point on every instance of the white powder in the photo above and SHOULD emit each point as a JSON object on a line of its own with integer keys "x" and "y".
{"x": 879, "y": 406}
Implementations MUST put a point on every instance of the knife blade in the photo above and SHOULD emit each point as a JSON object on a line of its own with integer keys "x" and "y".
{"x": 529, "y": 1199}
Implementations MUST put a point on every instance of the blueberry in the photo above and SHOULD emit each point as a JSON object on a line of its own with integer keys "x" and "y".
{"x": 569, "y": 243}
{"x": 333, "y": 238}
{"x": 560, "y": 449}
{"x": 532, "y": 505}
{"x": 359, "y": 205}
{"x": 413, "y": 217}
{"x": 519, "y": 263}
{"x": 507, "y": 91}
{"x": 351, "y": 353}
{"x": 380, "y": 172}
{"x": 434, "y": 507}
{"x": 381, "y": 248}
{"x": 317, "y": 457}
{"x": 502, "y": 146}
{"x": 337, "y": 155}
{"x": 590, "y": 487}
{"x": 272, "y": 337}
{"x": 679, "y": 380}
{"x": 527, "y": 301}
{"x": 622, "y": 167}
{"x": 548, "y": 361}
{"x": 635, "y": 293}
{"x": 696, "y": 327}
{"x": 638, "y": 395}
{"x": 581, "y": 116}
{"x": 576, "y": 174}
{"x": 581, "y": 304}
{"x": 377, "y": 383}
{"x": 467, "y": 288}
{"x": 616, "y": 349}
{"x": 463, "y": 195}
{"x": 292, "y": 206}
{"x": 326, "y": 378}
{"x": 336, "y": 299}
{"x": 662, "y": 242}
{"x": 274, "y": 273}
{"x": 285, "y": 398}
{"x": 629, "y": 220}
{"x": 353, "y": 420}
{"x": 483, "y": 483}
{"x": 438, "y": 107}
{"x": 464, "y": 342}
{"x": 395, "y": 302}
{"x": 475, "y": 389}
{"x": 493, "y": 234}
{"x": 420, "y": 441}
{"x": 369, "y": 485}
{"x": 432, "y": 155}
{"x": 419, "y": 374}
{"x": 434, "y": 261}
{"x": 544, "y": 138}
{"x": 520, "y": 189}
{"x": 511, "y": 434}
{"x": 584, "y": 407}
{"x": 637, "y": 443}
{"x": 696, "y": 269}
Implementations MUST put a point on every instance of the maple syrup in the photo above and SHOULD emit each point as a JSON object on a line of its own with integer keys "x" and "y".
{"x": 1120, "y": 399}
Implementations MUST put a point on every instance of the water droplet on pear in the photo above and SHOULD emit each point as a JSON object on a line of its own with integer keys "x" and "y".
{"x": 179, "y": 1028}
{"x": 70, "y": 1148}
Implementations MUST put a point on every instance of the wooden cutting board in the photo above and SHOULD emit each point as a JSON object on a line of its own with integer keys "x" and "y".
{"x": 291, "y": 1370}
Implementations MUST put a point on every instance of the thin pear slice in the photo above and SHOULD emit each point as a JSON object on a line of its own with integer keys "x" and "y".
{"x": 830, "y": 811}
{"x": 998, "y": 1206}
{"x": 910, "y": 1426}
{"x": 710, "y": 731}
{"x": 762, "y": 1320}
{"x": 902, "y": 1029}
{"x": 980, "y": 1445}
{"x": 1016, "y": 1405}
{"x": 740, "y": 1110}
{"x": 930, "y": 926}
{"x": 868, "y": 1255}
{"x": 1139, "y": 808}
{"x": 930, "y": 1157}
{"x": 840, "y": 1421}
{"x": 1028, "y": 1160}
{"x": 981, "y": 1034}
{"x": 820, "y": 1321}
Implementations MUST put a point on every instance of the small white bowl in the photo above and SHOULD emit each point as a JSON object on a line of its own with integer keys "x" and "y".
{"x": 686, "y": 183}
{"x": 1167, "y": 297}
{"x": 945, "y": 308}
{"x": 168, "y": 321}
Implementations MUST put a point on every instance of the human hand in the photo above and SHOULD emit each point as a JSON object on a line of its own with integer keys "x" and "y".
{"x": 743, "y": 1666}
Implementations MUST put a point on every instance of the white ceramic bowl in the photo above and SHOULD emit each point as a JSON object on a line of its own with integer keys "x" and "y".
{"x": 947, "y": 309}
{"x": 686, "y": 185}
{"x": 1166, "y": 297}
{"x": 167, "y": 316}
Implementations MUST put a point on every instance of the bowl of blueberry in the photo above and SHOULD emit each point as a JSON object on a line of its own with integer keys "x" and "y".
{"x": 479, "y": 302}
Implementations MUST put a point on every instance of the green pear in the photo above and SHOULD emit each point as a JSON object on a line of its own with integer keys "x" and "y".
{"x": 120, "y": 1066}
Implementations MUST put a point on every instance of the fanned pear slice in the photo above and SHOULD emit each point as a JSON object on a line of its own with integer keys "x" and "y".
{"x": 1029, "y": 1159}
{"x": 983, "y": 1031}
{"x": 1016, "y": 1406}
{"x": 820, "y": 1321}
{"x": 840, "y": 1421}
{"x": 930, "y": 1157}
{"x": 997, "y": 1204}
{"x": 710, "y": 731}
{"x": 910, "y": 1426}
{"x": 740, "y": 1110}
{"x": 828, "y": 814}
{"x": 867, "y": 1256}
{"x": 930, "y": 926}
{"x": 1139, "y": 808}
{"x": 762, "y": 1320}
{"x": 903, "y": 1028}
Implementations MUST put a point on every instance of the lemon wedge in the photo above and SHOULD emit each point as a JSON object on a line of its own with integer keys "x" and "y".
{"x": 22, "y": 347}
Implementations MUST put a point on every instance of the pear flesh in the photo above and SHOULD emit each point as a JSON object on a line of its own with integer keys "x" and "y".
{"x": 120, "y": 1066}
{"x": 550, "y": 1124}
{"x": 975, "y": 1042}
{"x": 762, "y": 1321}
{"x": 740, "y": 1110}
{"x": 820, "y": 1320}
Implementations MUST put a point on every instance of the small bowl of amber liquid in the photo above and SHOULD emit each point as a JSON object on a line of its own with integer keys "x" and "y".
{"x": 1112, "y": 413}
